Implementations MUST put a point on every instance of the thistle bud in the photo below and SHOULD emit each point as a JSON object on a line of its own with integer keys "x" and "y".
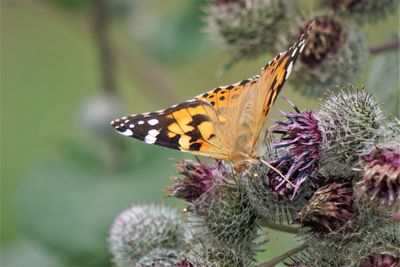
{"x": 335, "y": 53}
{"x": 329, "y": 209}
{"x": 225, "y": 218}
{"x": 363, "y": 10}
{"x": 142, "y": 228}
{"x": 198, "y": 178}
{"x": 349, "y": 122}
{"x": 381, "y": 176}
{"x": 383, "y": 259}
{"x": 244, "y": 28}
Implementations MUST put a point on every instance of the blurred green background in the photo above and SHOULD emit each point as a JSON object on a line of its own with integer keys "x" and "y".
{"x": 64, "y": 173}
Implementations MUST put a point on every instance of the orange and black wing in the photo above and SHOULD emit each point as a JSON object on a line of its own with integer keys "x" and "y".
{"x": 191, "y": 126}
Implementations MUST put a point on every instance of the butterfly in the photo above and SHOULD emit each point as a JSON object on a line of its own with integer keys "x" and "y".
{"x": 226, "y": 123}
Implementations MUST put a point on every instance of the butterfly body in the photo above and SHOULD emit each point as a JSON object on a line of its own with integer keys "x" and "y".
{"x": 226, "y": 123}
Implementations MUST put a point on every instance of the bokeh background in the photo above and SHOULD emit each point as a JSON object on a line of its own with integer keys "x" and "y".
{"x": 67, "y": 68}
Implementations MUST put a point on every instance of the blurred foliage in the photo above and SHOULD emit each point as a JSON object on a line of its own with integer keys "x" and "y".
{"x": 60, "y": 186}
{"x": 384, "y": 80}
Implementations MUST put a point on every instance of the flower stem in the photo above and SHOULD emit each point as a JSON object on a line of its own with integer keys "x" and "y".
{"x": 101, "y": 22}
{"x": 392, "y": 45}
{"x": 283, "y": 256}
{"x": 280, "y": 227}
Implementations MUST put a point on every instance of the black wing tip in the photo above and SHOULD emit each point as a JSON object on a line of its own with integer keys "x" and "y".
{"x": 118, "y": 125}
{"x": 303, "y": 38}
{"x": 115, "y": 123}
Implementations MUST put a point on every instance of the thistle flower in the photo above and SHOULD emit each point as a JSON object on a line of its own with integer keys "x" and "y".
{"x": 245, "y": 27}
{"x": 330, "y": 208}
{"x": 381, "y": 181}
{"x": 198, "y": 179}
{"x": 142, "y": 228}
{"x": 224, "y": 218}
{"x": 334, "y": 54}
{"x": 383, "y": 259}
{"x": 301, "y": 138}
{"x": 374, "y": 246}
{"x": 363, "y": 10}
{"x": 349, "y": 122}
{"x": 268, "y": 204}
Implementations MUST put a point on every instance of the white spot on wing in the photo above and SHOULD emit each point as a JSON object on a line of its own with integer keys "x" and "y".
{"x": 191, "y": 100}
{"x": 140, "y": 122}
{"x": 131, "y": 126}
{"x": 154, "y": 132}
{"x": 153, "y": 122}
{"x": 127, "y": 132}
{"x": 294, "y": 52}
{"x": 302, "y": 45}
{"x": 289, "y": 69}
{"x": 149, "y": 139}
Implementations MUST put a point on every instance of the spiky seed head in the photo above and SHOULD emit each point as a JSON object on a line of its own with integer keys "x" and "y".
{"x": 383, "y": 259}
{"x": 162, "y": 257}
{"x": 363, "y": 10}
{"x": 269, "y": 205}
{"x": 224, "y": 257}
{"x": 198, "y": 178}
{"x": 301, "y": 139}
{"x": 330, "y": 208}
{"x": 224, "y": 218}
{"x": 142, "y": 228}
{"x": 244, "y": 28}
{"x": 335, "y": 53}
{"x": 381, "y": 175}
{"x": 349, "y": 121}
{"x": 374, "y": 245}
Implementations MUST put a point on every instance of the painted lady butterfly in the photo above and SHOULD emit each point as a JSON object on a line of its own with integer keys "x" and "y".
{"x": 226, "y": 123}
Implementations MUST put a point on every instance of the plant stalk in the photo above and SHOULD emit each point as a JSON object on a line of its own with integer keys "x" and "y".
{"x": 278, "y": 259}
{"x": 280, "y": 227}
{"x": 392, "y": 45}
{"x": 101, "y": 21}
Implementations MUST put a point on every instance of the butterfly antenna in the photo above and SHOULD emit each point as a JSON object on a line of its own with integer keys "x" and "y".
{"x": 277, "y": 171}
{"x": 291, "y": 104}
{"x": 197, "y": 159}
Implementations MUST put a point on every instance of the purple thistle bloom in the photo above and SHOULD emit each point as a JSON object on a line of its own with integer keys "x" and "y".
{"x": 381, "y": 181}
{"x": 301, "y": 138}
{"x": 198, "y": 178}
{"x": 383, "y": 259}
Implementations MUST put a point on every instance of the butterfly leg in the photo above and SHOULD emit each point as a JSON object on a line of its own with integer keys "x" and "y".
{"x": 276, "y": 170}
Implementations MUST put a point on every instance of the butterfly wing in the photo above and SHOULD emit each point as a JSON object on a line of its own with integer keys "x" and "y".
{"x": 213, "y": 124}
{"x": 272, "y": 79}
{"x": 191, "y": 126}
